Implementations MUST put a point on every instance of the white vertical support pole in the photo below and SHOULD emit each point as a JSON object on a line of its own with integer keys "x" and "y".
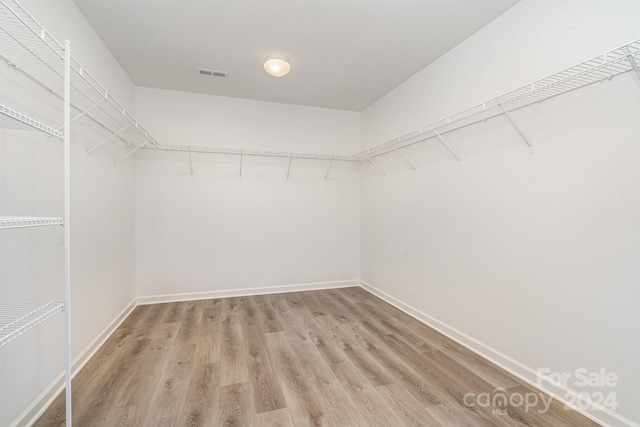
{"x": 241, "y": 162}
{"x": 405, "y": 159}
{"x": 506, "y": 113}
{"x": 67, "y": 226}
{"x": 374, "y": 165}
{"x": 289, "y": 169}
{"x": 632, "y": 61}
{"x": 190, "y": 164}
{"x": 326, "y": 175}
{"x": 445, "y": 144}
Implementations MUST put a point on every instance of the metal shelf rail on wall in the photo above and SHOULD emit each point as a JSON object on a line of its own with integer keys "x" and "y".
{"x": 602, "y": 67}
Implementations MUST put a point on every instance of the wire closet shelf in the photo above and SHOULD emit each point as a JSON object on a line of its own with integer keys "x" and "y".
{"x": 8, "y": 222}
{"x": 31, "y": 51}
{"x": 602, "y": 67}
{"x": 254, "y": 153}
{"x": 18, "y": 318}
{"x": 26, "y": 120}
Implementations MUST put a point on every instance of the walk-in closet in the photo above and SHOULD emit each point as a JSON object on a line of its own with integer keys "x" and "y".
{"x": 322, "y": 213}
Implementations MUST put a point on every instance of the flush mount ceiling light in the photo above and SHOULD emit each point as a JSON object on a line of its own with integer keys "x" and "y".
{"x": 277, "y": 66}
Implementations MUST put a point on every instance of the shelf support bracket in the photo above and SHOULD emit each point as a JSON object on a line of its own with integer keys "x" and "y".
{"x": 506, "y": 113}
{"x": 326, "y": 175}
{"x": 289, "y": 169}
{"x": 374, "y": 165}
{"x": 446, "y": 144}
{"x": 131, "y": 152}
{"x": 415, "y": 168}
{"x": 190, "y": 163}
{"x": 109, "y": 138}
{"x": 241, "y": 154}
{"x": 632, "y": 61}
{"x": 88, "y": 110}
{"x": 85, "y": 112}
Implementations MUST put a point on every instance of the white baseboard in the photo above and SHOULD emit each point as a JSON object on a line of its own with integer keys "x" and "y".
{"x": 37, "y": 408}
{"x": 603, "y": 416}
{"x": 192, "y": 296}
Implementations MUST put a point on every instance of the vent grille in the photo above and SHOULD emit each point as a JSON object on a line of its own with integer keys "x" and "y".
{"x": 211, "y": 73}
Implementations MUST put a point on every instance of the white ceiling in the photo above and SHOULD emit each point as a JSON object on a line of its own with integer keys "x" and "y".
{"x": 344, "y": 54}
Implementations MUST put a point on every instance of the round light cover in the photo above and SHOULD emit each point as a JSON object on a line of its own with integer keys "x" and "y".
{"x": 277, "y": 66}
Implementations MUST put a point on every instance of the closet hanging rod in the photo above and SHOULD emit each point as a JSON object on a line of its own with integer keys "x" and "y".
{"x": 254, "y": 153}
{"x": 602, "y": 67}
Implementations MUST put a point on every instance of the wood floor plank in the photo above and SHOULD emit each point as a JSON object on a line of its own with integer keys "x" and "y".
{"x": 338, "y": 407}
{"x": 373, "y": 371}
{"x": 268, "y": 317}
{"x": 369, "y": 404}
{"x": 406, "y": 407}
{"x": 175, "y": 312}
{"x": 541, "y": 414}
{"x": 265, "y": 385}
{"x": 418, "y": 386}
{"x": 102, "y": 391}
{"x": 234, "y": 406}
{"x": 298, "y": 337}
{"x": 321, "y": 340}
{"x": 201, "y": 398}
{"x": 233, "y": 362}
{"x": 168, "y": 399}
{"x": 338, "y": 357}
{"x": 144, "y": 380}
{"x": 119, "y": 416}
{"x": 277, "y": 418}
{"x": 450, "y": 385}
{"x": 191, "y": 318}
{"x": 490, "y": 372}
{"x": 304, "y": 406}
{"x": 209, "y": 335}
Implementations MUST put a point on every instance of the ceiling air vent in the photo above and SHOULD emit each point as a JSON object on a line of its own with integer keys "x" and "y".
{"x": 211, "y": 73}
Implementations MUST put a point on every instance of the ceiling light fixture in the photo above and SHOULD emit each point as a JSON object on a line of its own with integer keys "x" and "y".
{"x": 277, "y": 66}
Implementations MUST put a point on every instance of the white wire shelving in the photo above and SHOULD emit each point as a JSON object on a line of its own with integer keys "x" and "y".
{"x": 27, "y": 48}
{"x": 254, "y": 153}
{"x": 241, "y": 153}
{"x": 8, "y": 222}
{"x": 19, "y": 117}
{"x": 30, "y": 50}
{"x": 37, "y": 55}
{"x": 18, "y": 318}
{"x": 602, "y": 67}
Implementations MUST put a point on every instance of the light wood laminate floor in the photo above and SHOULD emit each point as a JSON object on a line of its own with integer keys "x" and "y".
{"x": 323, "y": 358}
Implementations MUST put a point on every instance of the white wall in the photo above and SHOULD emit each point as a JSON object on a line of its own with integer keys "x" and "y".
{"x": 218, "y": 231}
{"x": 535, "y": 255}
{"x": 103, "y": 205}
